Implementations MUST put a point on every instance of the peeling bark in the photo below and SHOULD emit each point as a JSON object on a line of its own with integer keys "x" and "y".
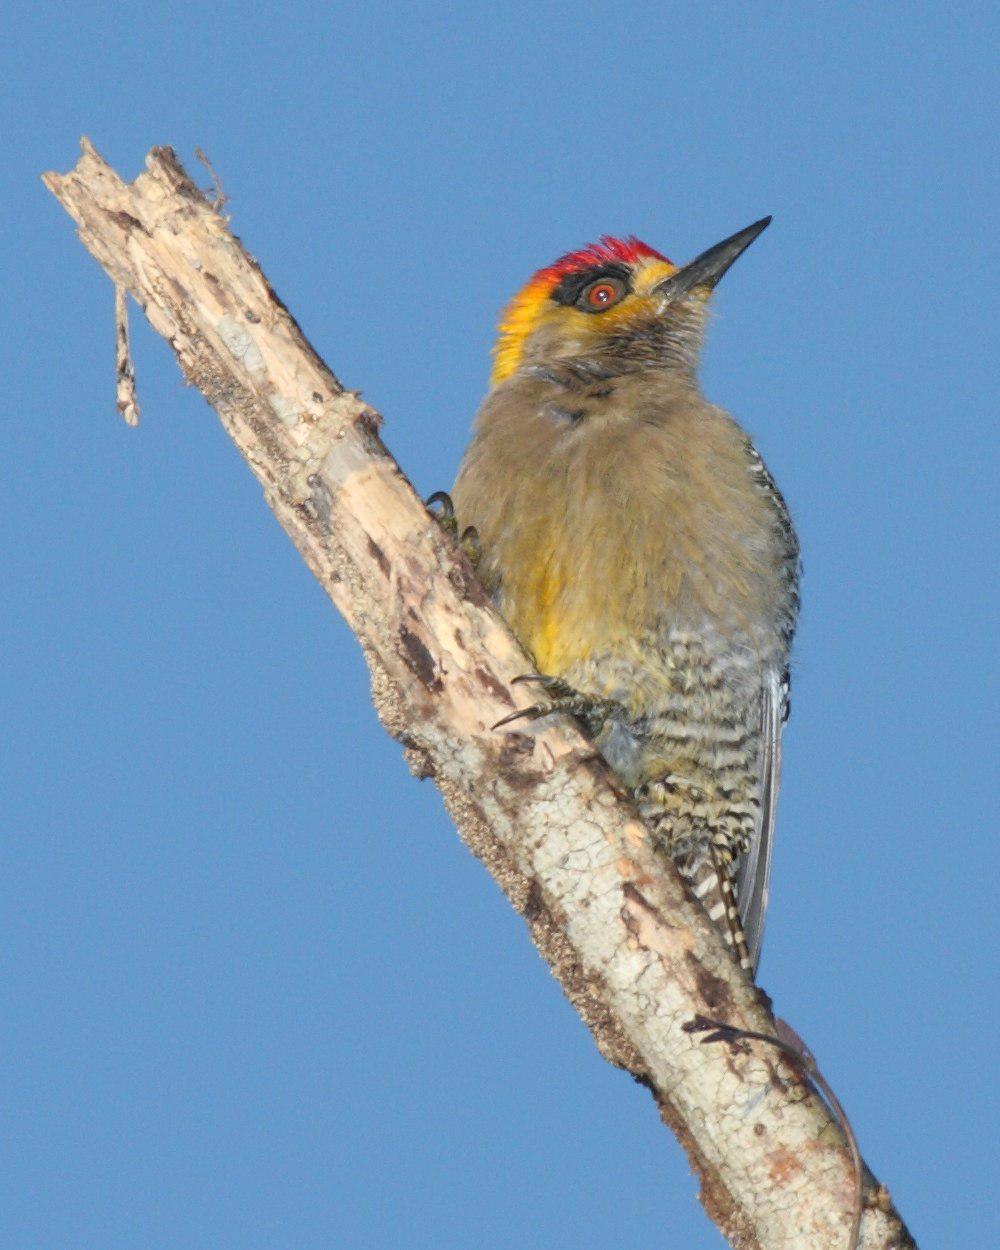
{"x": 633, "y": 952}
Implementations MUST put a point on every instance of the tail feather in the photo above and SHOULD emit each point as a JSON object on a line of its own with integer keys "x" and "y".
{"x": 711, "y": 880}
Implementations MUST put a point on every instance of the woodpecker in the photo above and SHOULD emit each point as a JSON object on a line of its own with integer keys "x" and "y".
{"x": 632, "y": 537}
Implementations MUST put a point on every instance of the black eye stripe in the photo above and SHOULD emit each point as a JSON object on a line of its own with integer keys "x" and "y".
{"x": 568, "y": 290}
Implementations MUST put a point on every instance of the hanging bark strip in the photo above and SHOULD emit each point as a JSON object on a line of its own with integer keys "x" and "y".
{"x": 125, "y": 397}
{"x": 634, "y": 954}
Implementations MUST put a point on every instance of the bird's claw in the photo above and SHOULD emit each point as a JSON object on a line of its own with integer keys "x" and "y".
{"x": 591, "y": 712}
{"x": 446, "y": 516}
{"x": 471, "y": 545}
{"x": 442, "y": 509}
{"x": 522, "y": 713}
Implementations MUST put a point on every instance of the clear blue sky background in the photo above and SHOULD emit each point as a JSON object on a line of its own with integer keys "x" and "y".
{"x": 255, "y": 994}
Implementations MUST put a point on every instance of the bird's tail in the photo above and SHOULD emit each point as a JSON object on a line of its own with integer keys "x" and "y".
{"x": 711, "y": 878}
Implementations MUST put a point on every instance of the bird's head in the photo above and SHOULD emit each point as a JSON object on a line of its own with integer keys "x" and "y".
{"x": 614, "y": 304}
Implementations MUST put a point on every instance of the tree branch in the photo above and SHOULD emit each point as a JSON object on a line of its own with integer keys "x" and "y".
{"x": 634, "y": 953}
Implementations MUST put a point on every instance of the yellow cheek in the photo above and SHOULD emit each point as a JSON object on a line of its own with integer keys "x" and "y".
{"x": 520, "y": 317}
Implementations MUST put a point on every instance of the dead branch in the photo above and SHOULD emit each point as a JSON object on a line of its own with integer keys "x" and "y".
{"x": 634, "y": 954}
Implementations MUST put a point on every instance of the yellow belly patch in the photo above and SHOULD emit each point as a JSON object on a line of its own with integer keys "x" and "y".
{"x": 555, "y": 625}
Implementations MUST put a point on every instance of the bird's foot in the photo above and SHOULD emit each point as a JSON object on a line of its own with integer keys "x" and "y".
{"x": 591, "y": 712}
{"x": 441, "y": 508}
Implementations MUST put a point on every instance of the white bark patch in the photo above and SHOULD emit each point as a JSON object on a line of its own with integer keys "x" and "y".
{"x": 240, "y": 344}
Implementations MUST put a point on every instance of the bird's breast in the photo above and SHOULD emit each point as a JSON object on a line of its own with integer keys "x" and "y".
{"x": 601, "y": 525}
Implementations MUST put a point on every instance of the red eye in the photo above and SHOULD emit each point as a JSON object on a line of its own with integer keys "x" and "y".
{"x": 602, "y": 294}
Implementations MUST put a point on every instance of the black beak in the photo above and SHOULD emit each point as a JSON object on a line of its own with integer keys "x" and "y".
{"x": 707, "y": 269}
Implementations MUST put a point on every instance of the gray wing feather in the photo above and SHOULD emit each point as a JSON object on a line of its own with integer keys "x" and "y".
{"x": 754, "y": 872}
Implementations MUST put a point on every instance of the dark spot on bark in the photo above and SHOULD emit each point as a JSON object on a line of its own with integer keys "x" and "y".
{"x": 317, "y": 397}
{"x": 417, "y": 758}
{"x": 496, "y": 688}
{"x": 534, "y": 904}
{"x": 419, "y": 659}
{"x": 182, "y": 296}
{"x": 322, "y": 500}
{"x": 759, "y": 1130}
{"x": 379, "y": 556}
{"x": 463, "y": 577}
{"x": 514, "y": 750}
{"x": 638, "y": 899}
{"x": 251, "y": 316}
{"x": 369, "y": 421}
{"x": 127, "y": 222}
{"x": 765, "y": 1000}
{"x": 370, "y": 440}
{"x": 715, "y": 993}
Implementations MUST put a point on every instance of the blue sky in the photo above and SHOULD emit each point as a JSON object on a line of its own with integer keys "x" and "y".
{"x": 255, "y": 993}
